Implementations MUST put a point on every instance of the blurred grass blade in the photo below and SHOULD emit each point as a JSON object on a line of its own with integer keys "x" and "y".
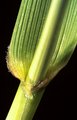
{"x": 26, "y": 34}
{"x": 57, "y": 42}
{"x": 66, "y": 38}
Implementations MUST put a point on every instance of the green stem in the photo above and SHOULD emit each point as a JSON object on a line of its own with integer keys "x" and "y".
{"x": 26, "y": 102}
{"x": 44, "y": 45}
{"x": 23, "y": 107}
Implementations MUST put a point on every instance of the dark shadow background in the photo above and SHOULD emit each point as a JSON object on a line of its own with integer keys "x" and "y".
{"x": 59, "y": 100}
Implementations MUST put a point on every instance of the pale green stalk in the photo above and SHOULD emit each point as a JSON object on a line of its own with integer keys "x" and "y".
{"x": 36, "y": 62}
{"x": 26, "y": 102}
{"x": 23, "y": 108}
{"x": 34, "y": 75}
